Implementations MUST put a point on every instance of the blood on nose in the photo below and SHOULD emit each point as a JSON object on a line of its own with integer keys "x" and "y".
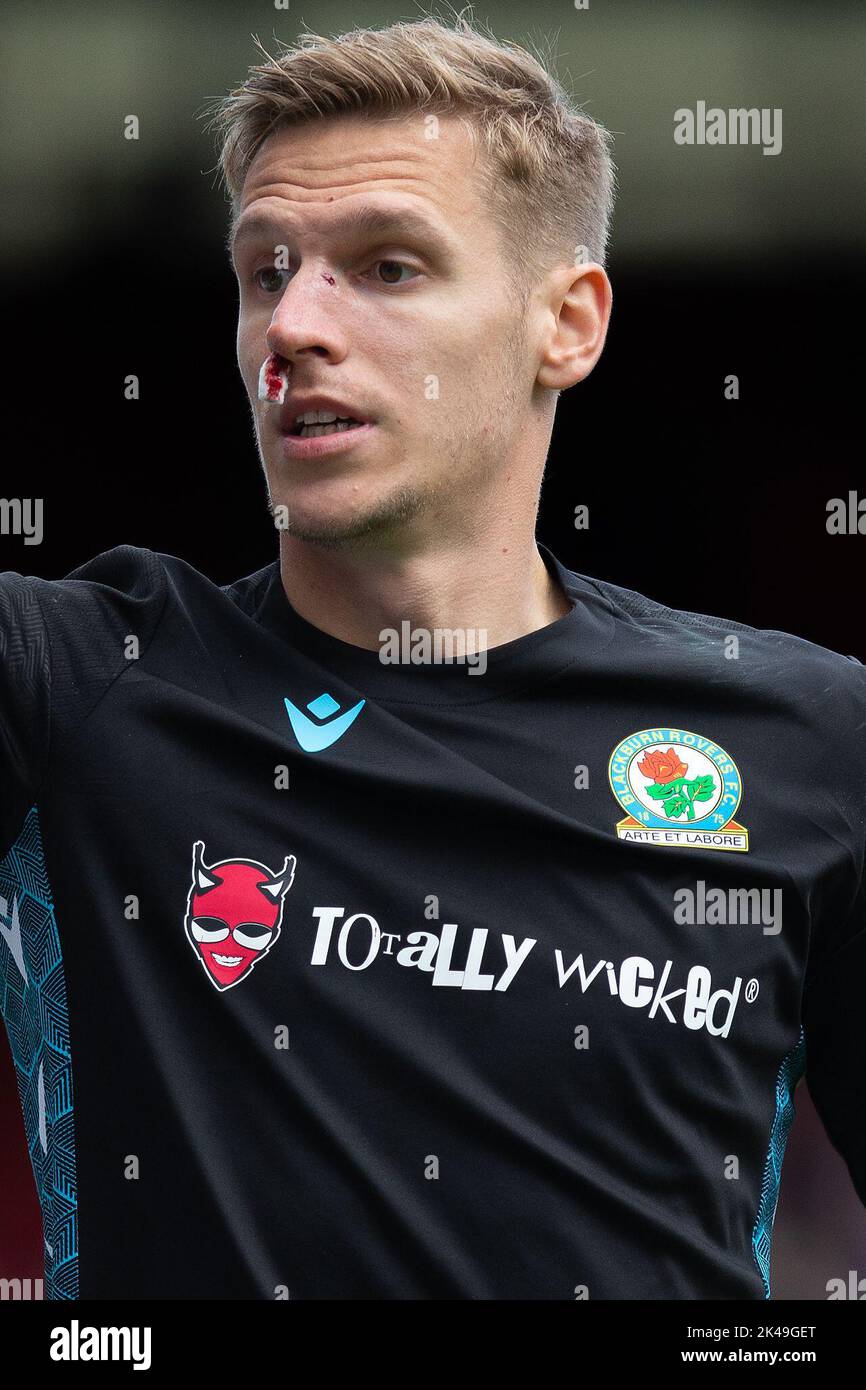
{"x": 273, "y": 379}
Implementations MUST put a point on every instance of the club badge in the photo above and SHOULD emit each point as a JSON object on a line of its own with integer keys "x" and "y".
{"x": 677, "y": 788}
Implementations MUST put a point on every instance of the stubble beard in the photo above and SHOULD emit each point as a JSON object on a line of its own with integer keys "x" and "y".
{"x": 374, "y": 524}
{"x": 451, "y": 495}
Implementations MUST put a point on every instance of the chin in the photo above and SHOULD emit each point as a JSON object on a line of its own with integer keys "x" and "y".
{"x": 327, "y": 530}
{"x": 341, "y": 521}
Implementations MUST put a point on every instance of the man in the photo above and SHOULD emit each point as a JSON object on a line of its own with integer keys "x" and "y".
{"x": 416, "y": 918}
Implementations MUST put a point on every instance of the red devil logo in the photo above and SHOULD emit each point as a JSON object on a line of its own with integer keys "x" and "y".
{"x": 233, "y": 913}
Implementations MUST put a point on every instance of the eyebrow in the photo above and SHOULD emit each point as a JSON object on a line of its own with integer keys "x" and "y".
{"x": 364, "y": 221}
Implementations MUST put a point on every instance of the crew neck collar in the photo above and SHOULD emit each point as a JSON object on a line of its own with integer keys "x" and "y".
{"x": 510, "y": 667}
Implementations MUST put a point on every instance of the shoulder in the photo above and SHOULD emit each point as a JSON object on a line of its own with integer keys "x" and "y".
{"x": 129, "y": 585}
{"x": 125, "y": 587}
{"x": 796, "y": 698}
{"x": 751, "y": 654}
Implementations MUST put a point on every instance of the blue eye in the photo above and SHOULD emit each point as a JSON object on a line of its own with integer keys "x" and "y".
{"x": 276, "y": 289}
{"x": 401, "y": 265}
{"x": 266, "y": 270}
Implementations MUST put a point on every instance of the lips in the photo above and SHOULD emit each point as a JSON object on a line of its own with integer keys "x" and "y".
{"x": 305, "y": 448}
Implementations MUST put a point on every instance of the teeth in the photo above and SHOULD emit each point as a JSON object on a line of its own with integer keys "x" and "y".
{"x": 227, "y": 960}
{"x": 319, "y": 417}
{"x": 337, "y": 427}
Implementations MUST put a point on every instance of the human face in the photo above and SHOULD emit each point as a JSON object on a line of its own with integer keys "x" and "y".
{"x": 413, "y": 326}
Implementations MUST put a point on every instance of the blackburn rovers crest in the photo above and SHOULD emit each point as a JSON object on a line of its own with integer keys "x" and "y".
{"x": 677, "y": 788}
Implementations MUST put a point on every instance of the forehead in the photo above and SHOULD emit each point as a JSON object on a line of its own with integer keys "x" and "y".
{"x": 428, "y": 168}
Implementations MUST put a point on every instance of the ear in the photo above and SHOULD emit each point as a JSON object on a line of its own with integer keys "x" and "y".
{"x": 577, "y": 309}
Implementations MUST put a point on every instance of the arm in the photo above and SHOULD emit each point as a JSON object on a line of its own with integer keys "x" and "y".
{"x": 834, "y": 1010}
{"x": 25, "y": 688}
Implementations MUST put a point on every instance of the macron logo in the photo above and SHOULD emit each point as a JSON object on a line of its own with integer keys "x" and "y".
{"x": 327, "y": 725}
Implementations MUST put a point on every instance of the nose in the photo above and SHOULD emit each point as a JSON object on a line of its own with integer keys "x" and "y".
{"x": 307, "y": 320}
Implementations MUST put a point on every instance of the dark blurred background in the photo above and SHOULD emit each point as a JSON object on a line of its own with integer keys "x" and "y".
{"x": 724, "y": 261}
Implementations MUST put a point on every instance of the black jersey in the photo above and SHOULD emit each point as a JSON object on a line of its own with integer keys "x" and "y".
{"x": 328, "y": 976}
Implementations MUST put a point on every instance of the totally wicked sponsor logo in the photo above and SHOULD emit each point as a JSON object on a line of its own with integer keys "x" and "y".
{"x": 481, "y": 960}
{"x": 234, "y": 913}
{"x": 638, "y": 984}
{"x": 677, "y": 788}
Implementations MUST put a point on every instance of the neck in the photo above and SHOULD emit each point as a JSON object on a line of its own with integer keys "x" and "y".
{"x": 495, "y": 593}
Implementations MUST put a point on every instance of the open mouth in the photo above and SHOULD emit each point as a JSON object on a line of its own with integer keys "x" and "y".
{"x": 336, "y": 425}
{"x": 227, "y": 961}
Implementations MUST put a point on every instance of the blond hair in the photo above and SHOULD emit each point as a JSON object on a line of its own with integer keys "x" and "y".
{"x": 548, "y": 176}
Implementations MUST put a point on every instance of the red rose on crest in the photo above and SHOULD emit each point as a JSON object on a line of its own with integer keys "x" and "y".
{"x": 663, "y": 767}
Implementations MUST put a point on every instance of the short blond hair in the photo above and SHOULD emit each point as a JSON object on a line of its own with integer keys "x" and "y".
{"x": 548, "y": 173}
